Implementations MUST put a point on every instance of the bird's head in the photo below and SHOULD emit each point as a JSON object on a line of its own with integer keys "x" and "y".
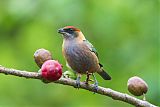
{"x": 70, "y": 32}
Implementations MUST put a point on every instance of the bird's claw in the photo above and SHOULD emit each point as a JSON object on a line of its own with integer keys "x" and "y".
{"x": 95, "y": 89}
{"x": 88, "y": 81}
{"x": 77, "y": 84}
{"x": 78, "y": 81}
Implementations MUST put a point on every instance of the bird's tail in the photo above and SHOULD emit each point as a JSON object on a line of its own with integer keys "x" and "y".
{"x": 104, "y": 75}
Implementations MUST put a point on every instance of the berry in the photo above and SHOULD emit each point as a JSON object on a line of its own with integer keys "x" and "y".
{"x": 51, "y": 70}
{"x": 42, "y": 55}
{"x": 137, "y": 86}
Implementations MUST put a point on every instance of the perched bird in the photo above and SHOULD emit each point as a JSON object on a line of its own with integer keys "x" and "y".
{"x": 80, "y": 55}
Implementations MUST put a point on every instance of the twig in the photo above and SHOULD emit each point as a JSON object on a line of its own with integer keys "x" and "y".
{"x": 67, "y": 81}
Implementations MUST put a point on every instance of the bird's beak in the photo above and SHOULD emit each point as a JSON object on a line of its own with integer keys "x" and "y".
{"x": 61, "y": 31}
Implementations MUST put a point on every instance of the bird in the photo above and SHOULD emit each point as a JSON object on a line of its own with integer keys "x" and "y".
{"x": 81, "y": 56}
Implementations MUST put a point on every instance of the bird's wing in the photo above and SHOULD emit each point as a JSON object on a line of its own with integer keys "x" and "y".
{"x": 91, "y": 47}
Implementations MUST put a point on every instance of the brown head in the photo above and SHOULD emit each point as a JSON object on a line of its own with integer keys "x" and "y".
{"x": 71, "y": 32}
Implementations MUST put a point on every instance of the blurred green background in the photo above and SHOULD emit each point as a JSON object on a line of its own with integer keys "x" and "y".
{"x": 125, "y": 33}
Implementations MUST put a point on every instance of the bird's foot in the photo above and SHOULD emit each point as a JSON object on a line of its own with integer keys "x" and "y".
{"x": 95, "y": 89}
{"x": 86, "y": 82}
{"x": 87, "y": 79}
{"x": 78, "y": 81}
{"x": 77, "y": 84}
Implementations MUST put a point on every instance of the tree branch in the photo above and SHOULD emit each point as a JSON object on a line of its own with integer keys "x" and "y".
{"x": 67, "y": 81}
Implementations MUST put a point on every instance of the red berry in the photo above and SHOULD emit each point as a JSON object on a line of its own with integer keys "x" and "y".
{"x": 51, "y": 70}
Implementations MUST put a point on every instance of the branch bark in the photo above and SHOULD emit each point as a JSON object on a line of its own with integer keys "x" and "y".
{"x": 67, "y": 81}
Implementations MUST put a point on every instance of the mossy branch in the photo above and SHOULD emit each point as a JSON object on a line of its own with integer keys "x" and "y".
{"x": 67, "y": 81}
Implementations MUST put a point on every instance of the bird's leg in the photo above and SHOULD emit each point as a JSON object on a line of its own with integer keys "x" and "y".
{"x": 78, "y": 80}
{"x": 95, "y": 83}
{"x": 87, "y": 79}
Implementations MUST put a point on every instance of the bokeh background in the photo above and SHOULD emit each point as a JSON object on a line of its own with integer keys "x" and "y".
{"x": 125, "y": 33}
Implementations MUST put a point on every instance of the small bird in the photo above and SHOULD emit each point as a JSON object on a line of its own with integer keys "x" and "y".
{"x": 81, "y": 55}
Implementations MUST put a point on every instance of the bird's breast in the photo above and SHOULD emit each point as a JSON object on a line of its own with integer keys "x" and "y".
{"x": 80, "y": 58}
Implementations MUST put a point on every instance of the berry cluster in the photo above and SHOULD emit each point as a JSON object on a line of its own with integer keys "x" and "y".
{"x": 51, "y": 70}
